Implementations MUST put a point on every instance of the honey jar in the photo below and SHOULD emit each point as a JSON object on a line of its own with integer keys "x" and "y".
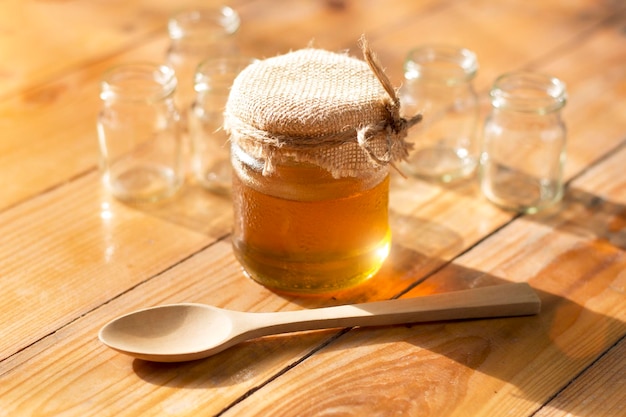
{"x": 313, "y": 135}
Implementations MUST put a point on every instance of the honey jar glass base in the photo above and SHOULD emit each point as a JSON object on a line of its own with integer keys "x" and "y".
{"x": 328, "y": 273}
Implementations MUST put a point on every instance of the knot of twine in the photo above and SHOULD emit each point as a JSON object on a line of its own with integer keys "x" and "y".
{"x": 395, "y": 126}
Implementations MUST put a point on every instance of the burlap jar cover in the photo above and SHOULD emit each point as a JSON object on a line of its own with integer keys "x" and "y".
{"x": 319, "y": 107}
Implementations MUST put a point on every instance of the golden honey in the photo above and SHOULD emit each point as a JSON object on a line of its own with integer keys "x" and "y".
{"x": 301, "y": 230}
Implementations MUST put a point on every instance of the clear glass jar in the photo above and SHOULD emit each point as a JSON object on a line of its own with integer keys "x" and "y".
{"x": 438, "y": 84}
{"x": 521, "y": 163}
{"x": 139, "y": 133}
{"x": 300, "y": 230}
{"x": 210, "y": 149}
{"x": 196, "y": 35}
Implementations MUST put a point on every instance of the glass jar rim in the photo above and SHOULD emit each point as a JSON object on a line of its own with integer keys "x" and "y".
{"x": 138, "y": 81}
{"x": 528, "y": 91}
{"x": 447, "y": 63}
{"x": 211, "y": 22}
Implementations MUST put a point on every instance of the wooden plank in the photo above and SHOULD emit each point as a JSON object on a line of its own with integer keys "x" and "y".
{"x": 478, "y": 368}
{"x": 420, "y": 246}
{"x": 50, "y": 94}
{"x": 506, "y": 36}
{"x": 69, "y": 371}
{"x": 463, "y": 357}
{"x": 100, "y": 30}
{"x": 69, "y": 35}
{"x": 598, "y": 180}
{"x": 594, "y": 70}
{"x": 69, "y": 103}
{"x": 212, "y": 276}
{"x": 65, "y": 253}
{"x": 459, "y": 368}
{"x": 52, "y": 375}
{"x": 601, "y": 389}
{"x": 335, "y": 25}
{"x": 49, "y": 132}
{"x": 51, "y": 116}
{"x": 583, "y": 47}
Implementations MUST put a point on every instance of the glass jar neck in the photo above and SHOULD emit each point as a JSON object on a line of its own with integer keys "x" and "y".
{"x": 441, "y": 64}
{"x": 138, "y": 82}
{"x": 528, "y": 92}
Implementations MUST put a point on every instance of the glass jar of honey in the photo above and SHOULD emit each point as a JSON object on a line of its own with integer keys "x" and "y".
{"x": 313, "y": 134}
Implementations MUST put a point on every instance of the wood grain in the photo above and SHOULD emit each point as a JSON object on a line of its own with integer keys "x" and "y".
{"x": 49, "y": 123}
{"x": 71, "y": 258}
{"x": 38, "y": 46}
{"x": 475, "y": 368}
{"x": 68, "y": 251}
{"x": 599, "y": 389}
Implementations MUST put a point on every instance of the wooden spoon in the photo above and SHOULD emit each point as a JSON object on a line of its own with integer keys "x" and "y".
{"x": 182, "y": 332}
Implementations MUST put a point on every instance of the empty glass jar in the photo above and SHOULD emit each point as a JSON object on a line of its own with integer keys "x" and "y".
{"x": 196, "y": 35}
{"x": 139, "y": 132}
{"x": 210, "y": 146}
{"x": 438, "y": 84}
{"x": 521, "y": 163}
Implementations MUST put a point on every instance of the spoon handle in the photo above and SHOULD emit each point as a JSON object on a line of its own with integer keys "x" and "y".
{"x": 495, "y": 301}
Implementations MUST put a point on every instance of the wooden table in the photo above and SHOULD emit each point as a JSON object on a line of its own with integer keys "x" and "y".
{"x": 72, "y": 258}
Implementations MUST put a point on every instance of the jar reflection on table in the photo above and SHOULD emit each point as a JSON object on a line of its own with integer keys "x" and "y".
{"x": 438, "y": 84}
{"x": 139, "y": 133}
{"x": 524, "y": 142}
{"x": 301, "y": 230}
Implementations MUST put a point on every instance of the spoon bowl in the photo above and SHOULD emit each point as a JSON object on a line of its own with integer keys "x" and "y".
{"x": 159, "y": 331}
{"x": 183, "y": 332}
